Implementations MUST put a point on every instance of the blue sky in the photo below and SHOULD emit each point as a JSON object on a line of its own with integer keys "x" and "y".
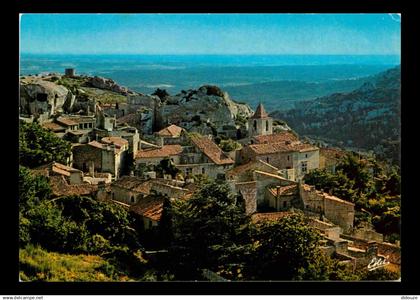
{"x": 364, "y": 34}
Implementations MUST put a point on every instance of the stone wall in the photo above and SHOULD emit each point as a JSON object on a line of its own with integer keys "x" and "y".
{"x": 169, "y": 190}
{"x": 338, "y": 211}
{"x": 83, "y": 155}
{"x": 124, "y": 195}
{"x": 248, "y": 190}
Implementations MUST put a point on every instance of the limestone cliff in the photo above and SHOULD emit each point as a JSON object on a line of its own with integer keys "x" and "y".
{"x": 208, "y": 104}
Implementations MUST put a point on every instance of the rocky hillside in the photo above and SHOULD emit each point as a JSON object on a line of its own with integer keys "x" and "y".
{"x": 207, "y": 104}
{"x": 367, "y": 118}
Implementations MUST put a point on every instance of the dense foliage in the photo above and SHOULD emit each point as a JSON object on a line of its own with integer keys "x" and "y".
{"x": 38, "y": 146}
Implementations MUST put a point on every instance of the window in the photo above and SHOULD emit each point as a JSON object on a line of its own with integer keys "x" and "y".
{"x": 255, "y": 124}
{"x": 132, "y": 199}
{"x": 288, "y": 157}
{"x": 304, "y": 166}
{"x": 268, "y": 160}
{"x": 188, "y": 171}
{"x": 203, "y": 171}
{"x": 306, "y": 155}
{"x": 266, "y": 125}
{"x": 284, "y": 203}
{"x": 150, "y": 223}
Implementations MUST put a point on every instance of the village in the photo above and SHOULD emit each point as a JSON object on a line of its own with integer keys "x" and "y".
{"x": 138, "y": 153}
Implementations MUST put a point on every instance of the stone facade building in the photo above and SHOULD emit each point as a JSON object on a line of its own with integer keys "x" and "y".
{"x": 300, "y": 157}
{"x": 204, "y": 157}
{"x": 106, "y": 156}
{"x": 336, "y": 210}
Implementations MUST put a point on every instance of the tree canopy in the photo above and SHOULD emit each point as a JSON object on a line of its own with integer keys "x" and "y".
{"x": 38, "y": 146}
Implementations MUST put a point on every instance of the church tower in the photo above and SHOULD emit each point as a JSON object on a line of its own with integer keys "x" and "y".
{"x": 260, "y": 123}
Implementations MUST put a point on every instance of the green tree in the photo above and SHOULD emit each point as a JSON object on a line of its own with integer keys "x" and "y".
{"x": 288, "y": 249}
{"x": 206, "y": 229}
{"x": 38, "y": 146}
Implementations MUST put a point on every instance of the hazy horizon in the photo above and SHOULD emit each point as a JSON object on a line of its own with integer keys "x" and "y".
{"x": 211, "y": 34}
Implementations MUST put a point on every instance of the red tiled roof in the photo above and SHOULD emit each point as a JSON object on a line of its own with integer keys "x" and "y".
{"x": 260, "y": 113}
{"x": 211, "y": 150}
{"x": 134, "y": 184}
{"x": 281, "y": 147}
{"x": 274, "y": 216}
{"x": 150, "y": 207}
{"x": 280, "y": 137}
{"x": 66, "y": 121}
{"x": 57, "y": 168}
{"x": 248, "y": 166}
{"x": 171, "y": 131}
{"x": 52, "y": 126}
{"x": 164, "y": 151}
{"x": 60, "y": 187}
{"x": 284, "y": 190}
{"x": 114, "y": 140}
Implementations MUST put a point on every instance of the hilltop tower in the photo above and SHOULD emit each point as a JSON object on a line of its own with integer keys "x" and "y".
{"x": 260, "y": 123}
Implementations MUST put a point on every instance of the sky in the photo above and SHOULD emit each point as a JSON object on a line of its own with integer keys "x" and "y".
{"x": 263, "y": 34}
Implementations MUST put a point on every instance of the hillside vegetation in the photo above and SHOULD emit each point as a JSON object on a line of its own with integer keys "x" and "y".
{"x": 367, "y": 118}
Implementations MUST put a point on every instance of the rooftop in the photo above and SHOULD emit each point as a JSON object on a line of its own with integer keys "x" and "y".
{"x": 250, "y": 166}
{"x": 211, "y": 150}
{"x": 52, "y": 126}
{"x": 67, "y": 121}
{"x": 260, "y": 113}
{"x": 164, "y": 151}
{"x": 171, "y": 131}
{"x": 114, "y": 140}
{"x": 295, "y": 146}
{"x": 281, "y": 137}
{"x": 60, "y": 187}
{"x": 134, "y": 184}
{"x": 287, "y": 190}
{"x": 150, "y": 207}
{"x": 57, "y": 168}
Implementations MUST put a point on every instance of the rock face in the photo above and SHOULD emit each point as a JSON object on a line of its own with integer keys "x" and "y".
{"x": 43, "y": 97}
{"x": 108, "y": 84}
{"x": 208, "y": 104}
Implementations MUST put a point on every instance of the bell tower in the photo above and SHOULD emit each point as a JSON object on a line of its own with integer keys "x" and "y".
{"x": 260, "y": 123}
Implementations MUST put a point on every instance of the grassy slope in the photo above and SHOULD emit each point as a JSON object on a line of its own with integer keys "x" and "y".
{"x": 36, "y": 264}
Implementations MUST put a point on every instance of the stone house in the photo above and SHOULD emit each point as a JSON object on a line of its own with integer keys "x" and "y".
{"x": 204, "y": 157}
{"x": 153, "y": 156}
{"x": 336, "y": 210}
{"x": 130, "y": 190}
{"x": 60, "y": 187}
{"x": 72, "y": 175}
{"x": 57, "y": 129}
{"x": 281, "y": 197}
{"x": 171, "y": 135}
{"x": 245, "y": 172}
{"x": 301, "y": 157}
{"x": 106, "y": 156}
{"x": 150, "y": 209}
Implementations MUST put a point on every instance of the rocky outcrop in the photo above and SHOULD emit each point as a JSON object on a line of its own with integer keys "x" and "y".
{"x": 108, "y": 84}
{"x": 208, "y": 104}
{"x": 40, "y": 97}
